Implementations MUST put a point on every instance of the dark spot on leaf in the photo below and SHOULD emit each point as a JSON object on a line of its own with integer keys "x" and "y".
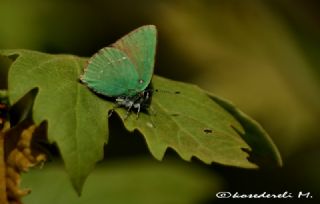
{"x": 177, "y": 92}
{"x": 175, "y": 114}
{"x": 208, "y": 131}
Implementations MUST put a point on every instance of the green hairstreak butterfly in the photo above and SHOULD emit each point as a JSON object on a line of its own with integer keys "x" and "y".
{"x": 124, "y": 70}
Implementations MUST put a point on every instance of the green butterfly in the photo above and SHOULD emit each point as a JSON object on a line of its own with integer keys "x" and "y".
{"x": 124, "y": 70}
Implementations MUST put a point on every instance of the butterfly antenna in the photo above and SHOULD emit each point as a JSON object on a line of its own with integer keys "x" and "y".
{"x": 138, "y": 111}
{"x": 128, "y": 113}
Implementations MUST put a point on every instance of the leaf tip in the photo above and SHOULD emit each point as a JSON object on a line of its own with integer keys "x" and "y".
{"x": 77, "y": 184}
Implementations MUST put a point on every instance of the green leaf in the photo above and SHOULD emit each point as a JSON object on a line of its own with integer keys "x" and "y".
{"x": 76, "y": 117}
{"x": 190, "y": 123}
{"x": 3, "y": 96}
{"x": 134, "y": 181}
{"x": 264, "y": 152}
{"x": 181, "y": 116}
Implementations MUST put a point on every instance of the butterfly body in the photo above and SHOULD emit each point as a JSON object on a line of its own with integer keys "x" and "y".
{"x": 125, "y": 69}
{"x": 137, "y": 101}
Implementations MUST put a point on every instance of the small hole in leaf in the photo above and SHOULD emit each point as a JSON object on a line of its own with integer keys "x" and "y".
{"x": 207, "y": 130}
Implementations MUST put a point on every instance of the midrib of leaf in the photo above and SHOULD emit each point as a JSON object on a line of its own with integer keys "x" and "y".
{"x": 75, "y": 112}
{"x": 182, "y": 128}
{"x": 61, "y": 87}
{"x": 57, "y": 75}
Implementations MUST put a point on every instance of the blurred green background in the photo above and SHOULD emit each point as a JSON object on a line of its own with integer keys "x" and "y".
{"x": 262, "y": 55}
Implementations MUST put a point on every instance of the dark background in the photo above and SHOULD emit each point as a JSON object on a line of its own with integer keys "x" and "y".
{"x": 262, "y": 55}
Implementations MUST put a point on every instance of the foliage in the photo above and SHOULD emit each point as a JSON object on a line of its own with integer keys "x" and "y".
{"x": 182, "y": 117}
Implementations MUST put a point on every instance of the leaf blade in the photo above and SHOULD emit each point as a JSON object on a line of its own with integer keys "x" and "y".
{"x": 181, "y": 124}
{"x": 264, "y": 151}
{"x": 71, "y": 110}
{"x": 186, "y": 120}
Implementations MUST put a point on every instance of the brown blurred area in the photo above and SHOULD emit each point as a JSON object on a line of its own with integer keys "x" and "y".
{"x": 262, "y": 55}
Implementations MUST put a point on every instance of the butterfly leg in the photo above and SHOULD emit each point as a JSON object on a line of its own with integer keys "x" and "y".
{"x": 128, "y": 112}
{"x": 138, "y": 106}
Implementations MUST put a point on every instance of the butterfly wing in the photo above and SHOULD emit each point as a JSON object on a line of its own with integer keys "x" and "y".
{"x": 140, "y": 46}
{"x": 111, "y": 73}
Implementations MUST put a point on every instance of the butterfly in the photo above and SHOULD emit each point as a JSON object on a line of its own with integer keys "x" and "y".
{"x": 124, "y": 70}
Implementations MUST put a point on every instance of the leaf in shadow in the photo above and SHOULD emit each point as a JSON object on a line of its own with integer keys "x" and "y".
{"x": 134, "y": 181}
{"x": 264, "y": 152}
